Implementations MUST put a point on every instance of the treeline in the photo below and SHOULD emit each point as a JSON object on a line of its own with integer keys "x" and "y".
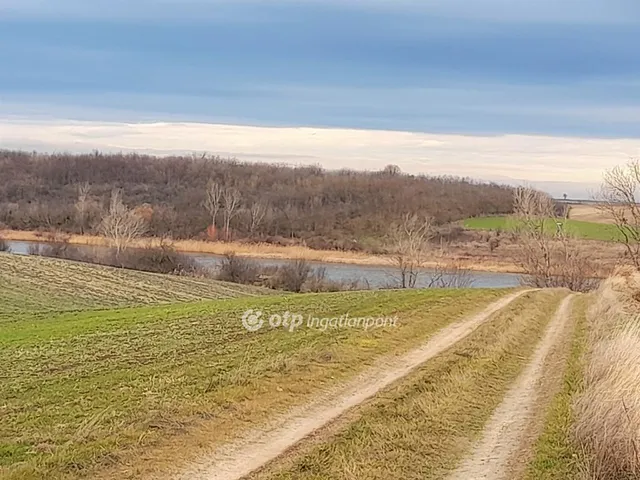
{"x": 324, "y": 209}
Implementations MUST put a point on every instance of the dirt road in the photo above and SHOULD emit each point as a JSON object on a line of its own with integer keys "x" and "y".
{"x": 505, "y": 432}
{"x": 257, "y": 448}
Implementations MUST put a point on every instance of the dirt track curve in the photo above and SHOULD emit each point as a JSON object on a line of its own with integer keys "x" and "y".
{"x": 259, "y": 447}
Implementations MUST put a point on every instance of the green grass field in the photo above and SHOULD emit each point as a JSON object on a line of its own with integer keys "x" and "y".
{"x": 585, "y": 230}
{"x": 112, "y": 374}
{"x": 37, "y": 284}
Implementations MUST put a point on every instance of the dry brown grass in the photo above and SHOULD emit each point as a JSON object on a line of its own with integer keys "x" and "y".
{"x": 607, "y": 424}
{"x": 589, "y": 213}
{"x": 466, "y": 256}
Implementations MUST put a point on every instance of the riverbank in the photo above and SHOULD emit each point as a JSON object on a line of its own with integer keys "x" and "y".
{"x": 460, "y": 256}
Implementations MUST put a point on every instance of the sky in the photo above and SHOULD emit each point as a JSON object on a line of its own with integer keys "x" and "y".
{"x": 497, "y": 81}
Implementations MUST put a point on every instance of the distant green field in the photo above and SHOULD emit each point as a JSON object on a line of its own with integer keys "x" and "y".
{"x": 586, "y": 230}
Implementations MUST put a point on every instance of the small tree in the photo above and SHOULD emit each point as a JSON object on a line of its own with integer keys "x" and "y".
{"x": 410, "y": 240}
{"x": 231, "y": 198}
{"x": 213, "y": 200}
{"x": 257, "y": 213}
{"x": 618, "y": 200}
{"x": 83, "y": 205}
{"x": 548, "y": 254}
{"x": 121, "y": 225}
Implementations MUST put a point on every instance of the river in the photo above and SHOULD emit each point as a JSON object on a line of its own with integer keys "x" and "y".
{"x": 374, "y": 276}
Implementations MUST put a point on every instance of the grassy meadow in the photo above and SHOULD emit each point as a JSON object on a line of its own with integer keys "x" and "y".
{"x": 117, "y": 374}
{"x": 578, "y": 228}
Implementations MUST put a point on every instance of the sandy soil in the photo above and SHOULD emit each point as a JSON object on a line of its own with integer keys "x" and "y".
{"x": 494, "y": 455}
{"x": 259, "y": 447}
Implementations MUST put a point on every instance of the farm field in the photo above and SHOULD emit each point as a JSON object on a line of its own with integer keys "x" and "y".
{"x": 36, "y": 284}
{"x": 581, "y": 229}
{"x": 132, "y": 390}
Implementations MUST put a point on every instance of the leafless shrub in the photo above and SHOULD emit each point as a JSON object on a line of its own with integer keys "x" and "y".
{"x": 607, "y": 412}
{"x": 319, "y": 282}
{"x": 450, "y": 275}
{"x": 238, "y": 270}
{"x": 160, "y": 259}
{"x": 4, "y": 245}
{"x": 548, "y": 254}
{"x": 121, "y": 225}
{"x": 34, "y": 249}
{"x": 409, "y": 243}
{"x": 293, "y": 275}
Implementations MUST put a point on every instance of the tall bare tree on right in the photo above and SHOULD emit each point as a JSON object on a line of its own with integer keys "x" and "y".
{"x": 618, "y": 201}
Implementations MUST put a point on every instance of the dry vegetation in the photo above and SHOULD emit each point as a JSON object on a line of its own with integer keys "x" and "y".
{"x": 548, "y": 254}
{"x": 608, "y": 411}
{"x": 589, "y": 213}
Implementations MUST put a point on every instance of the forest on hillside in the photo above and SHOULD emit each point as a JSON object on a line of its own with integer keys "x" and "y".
{"x": 180, "y": 196}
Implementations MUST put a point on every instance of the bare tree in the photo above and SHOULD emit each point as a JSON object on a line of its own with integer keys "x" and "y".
{"x": 618, "y": 200}
{"x": 121, "y": 225}
{"x": 548, "y": 254}
{"x": 410, "y": 244}
{"x": 231, "y": 198}
{"x": 257, "y": 213}
{"x": 213, "y": 200}
{"x": 82, "y": 205}
{"x": 534, "y": 213}
{"x": 450, "y": 275}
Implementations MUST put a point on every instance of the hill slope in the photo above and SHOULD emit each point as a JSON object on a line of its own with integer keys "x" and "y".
{"x": 37, "y": 284}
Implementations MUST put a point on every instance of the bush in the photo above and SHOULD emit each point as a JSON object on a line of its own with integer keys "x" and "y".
{"x": 34, "y": 249}
{"x": 238, "y": 270}
{"x": 162, "y": 259}
{"x": 292, "y": 276}
{"x": 4, "y": 245}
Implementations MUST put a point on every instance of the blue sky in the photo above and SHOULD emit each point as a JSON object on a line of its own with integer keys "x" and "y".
{"x": 458, "y": 66}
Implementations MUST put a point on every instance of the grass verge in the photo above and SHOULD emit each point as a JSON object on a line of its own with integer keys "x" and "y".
{"x": 423, "y": 426}
{"x": 555, "y": 455}
{"x": 126, "y": 393}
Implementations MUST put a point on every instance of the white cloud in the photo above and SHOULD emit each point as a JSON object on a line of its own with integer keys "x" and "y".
{"x": 531, "y": 158}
